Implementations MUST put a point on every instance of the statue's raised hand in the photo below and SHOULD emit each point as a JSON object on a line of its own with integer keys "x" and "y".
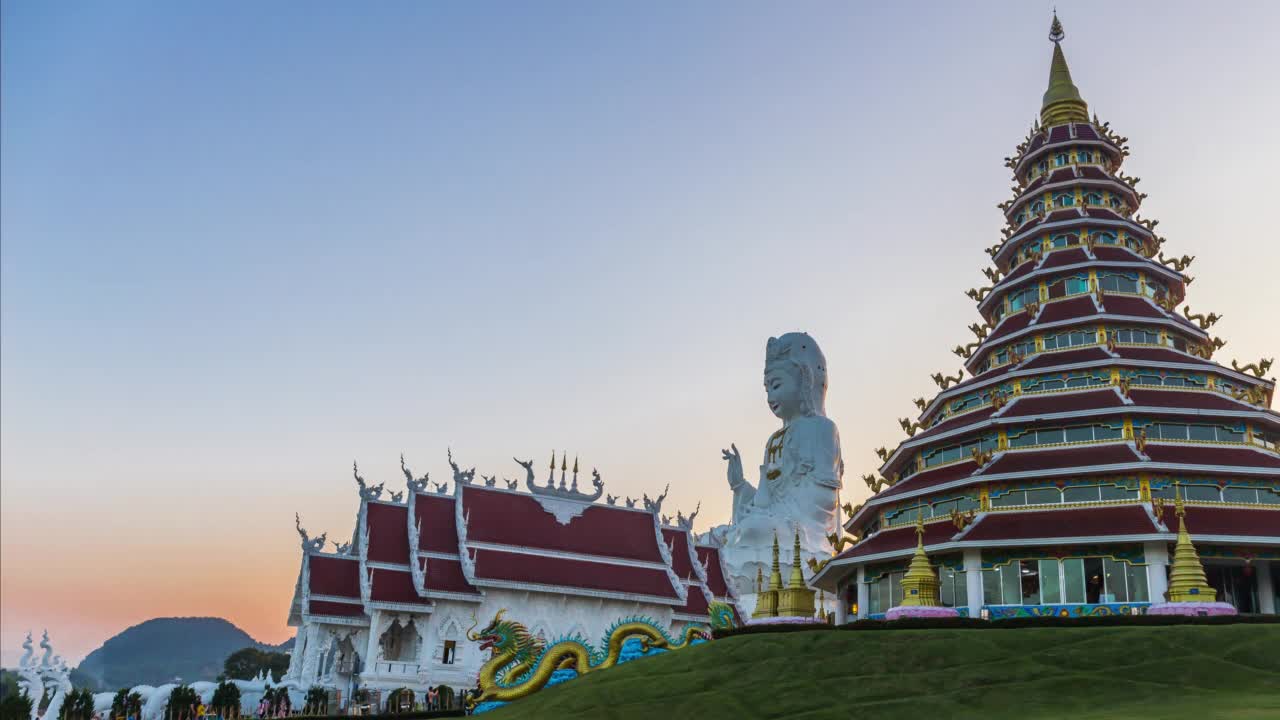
{"x": 736, "y": 478}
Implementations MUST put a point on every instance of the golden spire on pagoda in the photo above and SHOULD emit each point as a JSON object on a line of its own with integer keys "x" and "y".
{"x": 775, "y": 575}
{"x": 797, "y": 577}
{"x": 920, "y": 584}
{"x": 1062, "y": 101}
{"x": 1187, "y": 582}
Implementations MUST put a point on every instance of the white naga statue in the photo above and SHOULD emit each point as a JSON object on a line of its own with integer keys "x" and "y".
{"x": 800, "y": 474}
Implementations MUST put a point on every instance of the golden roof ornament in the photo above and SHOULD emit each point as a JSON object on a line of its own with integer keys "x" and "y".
{"x": 1062, "y": 102}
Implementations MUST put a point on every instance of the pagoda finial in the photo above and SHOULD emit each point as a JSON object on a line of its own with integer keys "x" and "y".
{"x": 797, "y": 576}
{"x": 775, "y": 575}
{"x": 920, "y": 584}
{"x": 1062, "y": 101}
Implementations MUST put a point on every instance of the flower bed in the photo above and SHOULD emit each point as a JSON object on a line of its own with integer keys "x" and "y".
{"x": 920, "y": 611}
{"x": 1192, "y": 609}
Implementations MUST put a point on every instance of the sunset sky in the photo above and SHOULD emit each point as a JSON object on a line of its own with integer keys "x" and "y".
{"x": 245, "y": 244}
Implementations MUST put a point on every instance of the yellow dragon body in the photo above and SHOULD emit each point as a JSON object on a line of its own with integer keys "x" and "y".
{"x": 520, "y": 665}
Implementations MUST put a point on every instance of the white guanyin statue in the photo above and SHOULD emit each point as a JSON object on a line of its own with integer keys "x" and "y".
{"x": 800, "y": 474}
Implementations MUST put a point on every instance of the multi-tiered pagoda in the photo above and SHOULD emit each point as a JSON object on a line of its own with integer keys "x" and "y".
{"x": 1042, "y": 478}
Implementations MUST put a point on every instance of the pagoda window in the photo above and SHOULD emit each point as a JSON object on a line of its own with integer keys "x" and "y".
{"x": 1037, "y": 207}
{"x": 953, "y": 591}
{"x": 1268, "y": 496}
{"x": 1020, "y": 218}
{"x": 1115, "y": 202}
{"x": 1155, "y": 288}
{"x": 1020, "y": 299}
{"x": 1061, "y": 159}
{"x": 1197, "y": 432}
{"x": 1137, "y": 336}
{"x": 1073, "y": 580}
{"x": 1240, "y": 494}
{"x": 1093, "y": 198}
{"x": 1043, "y": 166}
{"x": 1118, "y": 282}
{"x": 1084, "y": 156}
{"x": 1072, "y": 338}
{"x": 1106, "y": 238}
{"x": 1064, "y": 200}
{"x": 1059, "y": 241}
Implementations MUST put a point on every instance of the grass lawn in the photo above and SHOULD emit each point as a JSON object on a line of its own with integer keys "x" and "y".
{"x": 1229, "y": 672}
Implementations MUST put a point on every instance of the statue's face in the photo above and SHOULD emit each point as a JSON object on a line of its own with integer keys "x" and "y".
{"x": 783, "y": 391}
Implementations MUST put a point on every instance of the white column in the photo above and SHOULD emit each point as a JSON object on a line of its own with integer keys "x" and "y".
{"x": 973, "y": 580}
{"x": 371, "y": 649}
{"x": 1266, "y": 591}
{"x": 1157, "y": 555}
{"x": 842, "y": 599}
{"x": 864, "y": 597}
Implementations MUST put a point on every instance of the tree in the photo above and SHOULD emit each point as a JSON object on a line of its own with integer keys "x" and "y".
{"x": 126, "y": 704}
{"x": 182, "y": 703}
{"x": 246, "y": 663}
{"x": 400, "y": 697}
{"x": 226, "y": 699}
{"x": 317, "y": 702}
{"x": 78, "y": 705}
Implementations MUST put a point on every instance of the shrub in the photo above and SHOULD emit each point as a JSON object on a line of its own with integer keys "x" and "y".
{"x": 15, "y": 706}
{"x": 397, "y": 698}
{"x": 226, "y": 699}
{"x": 126, "y": 704}
{"x": 317, "y": 702}
{"x": 182, "y": 704}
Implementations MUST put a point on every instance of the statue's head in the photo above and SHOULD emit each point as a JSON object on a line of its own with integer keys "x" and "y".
{"x": 795, "y": 376}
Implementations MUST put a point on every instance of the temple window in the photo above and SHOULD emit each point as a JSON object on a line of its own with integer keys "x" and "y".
{"x": 1042, "y": 166}
{"x": 1020, "y": 218}
{"x": 953, "y": 591}
{"x": 1064, "y": 200}
{"x": 1059, "y": 241}
{"x": 1105, "y": 238}
{"x": 1084, "y": 156}
{"x": 450, "y": 652}
{"x": 1115, "y": 203}
{"x": 1093, "y": 580}
{"x": 1118, "y": 282}
{"x": 1071, "y": 338}
{"x": 1037, "y": 207}
{"x": 1154, "y": 288}
{"x": 400, "y": 642}
{"x": 953, "y": 453}
{"x": 1093, "y": 198}
{"x": 884, "y": 592}
{"x": 1061, "y": 159}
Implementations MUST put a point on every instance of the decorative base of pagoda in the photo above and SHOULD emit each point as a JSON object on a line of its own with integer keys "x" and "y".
{"x": 920, "y": 611}
{"x": 1192, "y": 608}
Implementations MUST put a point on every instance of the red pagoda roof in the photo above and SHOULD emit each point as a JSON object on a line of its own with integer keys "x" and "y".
{"x": 1211, "y": 455}
{"x": 505, "y": 517}
{"x": 1225, "y": 521}
{"x": 900, "y": 539}
{"x": 696, "y": 605}
{"x": 1069, "y": 256}
{"x": 1065, "y": 357}
{"x": 1069, "y": 309}
{"x": 1080, "y": 523}
{"x": 388, "y": 532}
{"x": 1161, "y": 355}
{"x": 1027, "y": 461}
{"x": 681, "y": 554}
{"x": 1027, "y": 407}
{"x": 558, "y": 574}
{"x": 437, "y": 523}
{"x": 1116, "y": 253}
{"x": 930, "y": 478}
{"x": 1189, "y": 399}
{"x": 338, "y": 576}
{"x": 956, "y": 421}
{"x": 1011, "y": 324}
{"x": 1132, "y": 306}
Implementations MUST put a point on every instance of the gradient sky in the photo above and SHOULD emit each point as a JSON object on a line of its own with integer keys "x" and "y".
{"x": 245, "y": 243}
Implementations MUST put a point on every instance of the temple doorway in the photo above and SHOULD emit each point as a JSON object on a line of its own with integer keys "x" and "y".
{"x": 1236, "y": 584}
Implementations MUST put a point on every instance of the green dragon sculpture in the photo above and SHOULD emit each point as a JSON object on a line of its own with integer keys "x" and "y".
{"x": 520, "y": 664}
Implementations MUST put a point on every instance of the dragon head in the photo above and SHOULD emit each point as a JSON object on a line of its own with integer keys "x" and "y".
{"x": 502, "y": 635}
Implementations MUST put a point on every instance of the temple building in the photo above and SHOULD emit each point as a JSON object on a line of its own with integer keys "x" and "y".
{"x": 1046, "y": 477}
{"x": 392, "y": 607}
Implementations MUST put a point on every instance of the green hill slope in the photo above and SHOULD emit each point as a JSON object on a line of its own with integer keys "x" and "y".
{"x": 1169, "y": 673}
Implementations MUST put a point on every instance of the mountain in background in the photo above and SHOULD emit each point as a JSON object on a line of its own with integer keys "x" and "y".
{"x": 161, "y": 649}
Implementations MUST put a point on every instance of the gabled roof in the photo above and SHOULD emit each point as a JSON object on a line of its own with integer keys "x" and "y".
{"x": 1031, "y": 461}
{"x": 1263, "y": 522}
{"x": 436, "y": 519}
{"x": 1211, "y": 455}
{"x": 1029, "y": 407}
{"x": 335, "y": 575}
{"x": 710, "y": 558}
{"x": 388, "y": 532}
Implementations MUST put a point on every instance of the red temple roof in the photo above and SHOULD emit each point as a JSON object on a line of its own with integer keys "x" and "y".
{"x": 335, "y": 609}
{"x": 969, "y": 418}
{"x": 394, "y": 586}
{"x": 389, "y": 532}
{"x": 931, "y": 478}
{"x": 1189, "y": 399}
{"x": 1070, "y": 256}
{"x": 1160, "y": 355}
{"x": 1116, "y": 253}
{"x": 512, "y": 518}
{"x": 710, "y": 558}
{"x": 681, "y": 555}
{"x": 1011, "y": 324}
{"x": 334, "y": 575}
{"x": 696, "y": 603}
{"x": 1131, "y": 305}
{"x": 1080, "y": 523}
{"x": 445, "y": 576}
{"x": 437, "y": 523}
{"x": 560, "y": 573}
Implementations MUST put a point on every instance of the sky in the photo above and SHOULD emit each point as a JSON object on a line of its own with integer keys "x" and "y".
{"x": 244, "y": 244}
